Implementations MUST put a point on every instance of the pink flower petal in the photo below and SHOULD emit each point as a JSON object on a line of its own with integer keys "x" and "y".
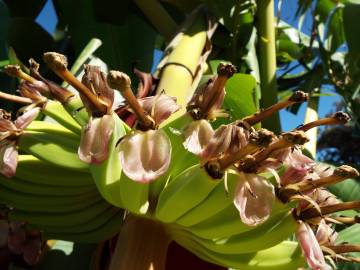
{"x": 6, "y": 125}
{"x": 227, "y": 139}
{"x": 254, "y": 198}
{"x": 325, "y": 235}
{"x": 26, "y": 118}
{"x": 145, "y": 155}
{"x": 94, "y": 143}
{"x": 160, "y": 107}
{"x": 310, "y": 247}
{"x": 8, "y": 158}
{"x": 197, "y": 136}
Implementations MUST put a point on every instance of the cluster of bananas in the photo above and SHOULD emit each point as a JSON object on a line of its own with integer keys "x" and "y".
{"x": 66, "y": 198}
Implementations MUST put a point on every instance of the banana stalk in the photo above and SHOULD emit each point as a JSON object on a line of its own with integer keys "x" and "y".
{"x": 183, "y": 62}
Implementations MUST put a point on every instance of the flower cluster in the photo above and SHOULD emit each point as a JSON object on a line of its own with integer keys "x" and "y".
{"x": 252, "y": 154}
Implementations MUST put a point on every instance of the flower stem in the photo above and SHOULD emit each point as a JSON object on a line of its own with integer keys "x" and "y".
{"x": 142, "y": 245}
{"x": 16, "y": 99}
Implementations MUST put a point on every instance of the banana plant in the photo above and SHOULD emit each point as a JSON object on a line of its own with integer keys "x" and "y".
{"x": 164, "y": 166}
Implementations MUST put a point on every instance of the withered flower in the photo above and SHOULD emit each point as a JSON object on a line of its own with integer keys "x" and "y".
{"x": 254, "y": 198}
{"x": 9, "y": 132}
{"x": 310, "y": 247}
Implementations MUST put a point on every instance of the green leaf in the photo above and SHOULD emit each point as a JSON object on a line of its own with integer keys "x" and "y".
{"x": 348, "y": 190}
{"x": 240, "y": 98}
{"x": 125, "y": 44}
{"x": 350, "y": 235}
{"x": 351, "y": 24}
{"x": 25, "y": 8}
{"x": 335, "y": 33}
{"x": 29, "y": 39}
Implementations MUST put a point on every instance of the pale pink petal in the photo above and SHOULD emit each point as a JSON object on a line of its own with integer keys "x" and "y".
{"x": 226, "y": 139}
{"x": 160, "y": 107}
{"x": 293, "y": 175}
{"x": 145, "y": 155}
{"x": 311, "y": 247}
{"x": 8, "y": 158}
{"x": 253, "y": 198}
{"x": 298, "y": 160}
{"x": 197, "y": 136}
{"x": 95, "y": 137}
{"x": 6, "y": 125}
{"x": 325, "y": 235}
{"x": 26, "y": 118}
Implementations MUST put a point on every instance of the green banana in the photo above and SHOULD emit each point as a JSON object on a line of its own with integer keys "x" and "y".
{"x": 46, "y": 203}
{"x": 53, "y": 146}
{"x": 107, "y": 174}
{"x": 216, "y": 201}
{"x": 75, "y": 107}
{"x": 100, "y": 234}
{"x": 36, "y": 171}
{"x": 283, "y": 256}
{"x": 134, "y": 195}
{"x": 227, "y": 222}
{"x": 183, "y": 193}
{"x": 223, "y": 224}
{"x": 181, "y": 159}
{"x": 275, "y": 230}
{"x": 56, "y": 111}
{"x": 92, "y": 224}
{"x": 71, "y": 218}
{"x": 41, "y": 189}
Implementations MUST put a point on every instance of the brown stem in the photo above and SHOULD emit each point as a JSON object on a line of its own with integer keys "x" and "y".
{"x": 288, "y": 139}
{"x": 142, "y": 245}
{"x": 120, "y": 81}
{"x": 297, "y": 97}
{"x": 15, "y": 71}
{"x": 259, "y": 139}
{"x": 58, "y": 64}
{"x": 344, "y": 248}
{"x": 336, "y": 119}
{"x": 313, "y": 213}
{"x": 16, "y": 99}
{"x": 341, "y": 173}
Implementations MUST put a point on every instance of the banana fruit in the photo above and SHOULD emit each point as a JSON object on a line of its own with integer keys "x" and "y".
{"x": 52, "y": 143}
{"x": 107, "y": 175}
{"x": 56, "y": 111}
{"x": 184, "y": 192}
{"x": 48, "y": 174}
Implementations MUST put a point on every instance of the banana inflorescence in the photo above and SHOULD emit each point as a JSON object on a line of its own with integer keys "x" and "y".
{"x": 219, "y": 193}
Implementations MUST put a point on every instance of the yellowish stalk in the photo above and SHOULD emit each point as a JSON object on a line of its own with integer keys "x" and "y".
{"x": 310, "y": 116}
{"x": 177, "y": 73}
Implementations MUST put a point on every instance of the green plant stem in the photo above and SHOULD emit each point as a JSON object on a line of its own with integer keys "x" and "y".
{"x": 267, "y": 60}
{"x": 159, "y": 17}
{"x": 142, "y": 245}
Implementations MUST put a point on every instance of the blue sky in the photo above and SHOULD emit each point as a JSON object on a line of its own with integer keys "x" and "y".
{"x": 47, "y": 19}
